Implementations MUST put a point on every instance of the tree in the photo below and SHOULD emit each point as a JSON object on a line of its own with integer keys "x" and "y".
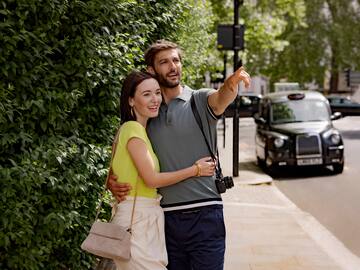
{"x": 341, "y": 20}
{"x": 265, "y": 24}
{"x": 198, "y": 41}
{"x": 328, "y": 41}
{"x": 297, "y": 40}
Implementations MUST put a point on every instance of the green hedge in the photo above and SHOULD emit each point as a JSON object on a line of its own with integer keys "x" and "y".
{"x": 61, "y": 63}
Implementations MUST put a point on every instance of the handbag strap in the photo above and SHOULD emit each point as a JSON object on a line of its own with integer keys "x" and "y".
{"x": 133, "y": 208}
{"x": 113, "y": 150}
{"x": 198, "y": 121}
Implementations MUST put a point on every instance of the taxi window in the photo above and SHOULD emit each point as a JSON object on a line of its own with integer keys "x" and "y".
{"x": 299, "y": 111}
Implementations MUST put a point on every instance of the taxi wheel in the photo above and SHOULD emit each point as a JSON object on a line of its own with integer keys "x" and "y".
{"x": 338, "y": 168}
{"x": 260, "y": 162}
{"x": 271, "y": 169}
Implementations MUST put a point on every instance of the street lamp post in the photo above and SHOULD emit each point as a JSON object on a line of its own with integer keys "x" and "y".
{"x": 231, "y": 37}
{"x": 237, "y": 63}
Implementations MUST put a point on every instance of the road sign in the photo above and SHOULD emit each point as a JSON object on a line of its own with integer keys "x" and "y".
{"x": 225, "y": 37}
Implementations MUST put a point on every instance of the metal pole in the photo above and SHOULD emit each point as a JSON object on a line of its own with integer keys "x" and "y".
{"x": 224, "y": 118}
{"x": 237, "y": 63}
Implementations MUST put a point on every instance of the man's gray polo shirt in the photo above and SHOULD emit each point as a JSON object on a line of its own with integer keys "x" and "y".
{"x": 178, "y": 142}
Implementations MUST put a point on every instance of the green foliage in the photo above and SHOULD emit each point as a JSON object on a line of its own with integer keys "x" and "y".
{"x": 303, "y": 40}
{"x": 61, "y": 66}
{"x": 266, "y": 22}
{"x": 198, "y": 42}
{"x": 223, "y": 11}
{"x": 48, "y": 199}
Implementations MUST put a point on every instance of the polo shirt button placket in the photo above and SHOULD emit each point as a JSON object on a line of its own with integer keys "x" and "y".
{"x": 168, "y": 113}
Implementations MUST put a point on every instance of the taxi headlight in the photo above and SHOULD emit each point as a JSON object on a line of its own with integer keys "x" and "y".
{"x": 335, "y": 138}
{"x": 278, "y": 142}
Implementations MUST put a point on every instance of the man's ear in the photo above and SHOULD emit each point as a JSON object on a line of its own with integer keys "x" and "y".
{"x": 151, "y": 70}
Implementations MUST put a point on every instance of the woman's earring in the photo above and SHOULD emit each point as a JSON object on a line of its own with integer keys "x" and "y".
{"x": 132, "y": 112}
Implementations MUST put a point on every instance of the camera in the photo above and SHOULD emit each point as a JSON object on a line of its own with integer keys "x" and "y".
{"x": 224, "y": 183}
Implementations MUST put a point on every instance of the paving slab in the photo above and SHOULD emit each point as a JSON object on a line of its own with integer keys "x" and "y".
{"x": 263, "y": 234}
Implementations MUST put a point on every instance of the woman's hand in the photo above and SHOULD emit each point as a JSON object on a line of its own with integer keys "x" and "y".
{"x": 205, "y": 167}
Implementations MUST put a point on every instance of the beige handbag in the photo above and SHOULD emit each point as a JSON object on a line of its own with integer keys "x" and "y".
{"x": 106, "y": 239}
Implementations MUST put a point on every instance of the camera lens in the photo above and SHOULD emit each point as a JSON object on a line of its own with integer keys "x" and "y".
{"x": 224, "y": 183}
{"x": 228, "y": 181}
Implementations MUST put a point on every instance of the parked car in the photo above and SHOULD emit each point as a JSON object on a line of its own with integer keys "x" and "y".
{"x": 248, "y": 105}
{"x": 345, "y": 105}
{"x": 295, "y": 129}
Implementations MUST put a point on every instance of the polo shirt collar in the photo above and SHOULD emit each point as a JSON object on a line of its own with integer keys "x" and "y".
{"x": 185, "y": 94}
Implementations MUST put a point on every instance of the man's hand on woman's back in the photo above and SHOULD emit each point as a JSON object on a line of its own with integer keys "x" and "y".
{"x": 119, "y": 190}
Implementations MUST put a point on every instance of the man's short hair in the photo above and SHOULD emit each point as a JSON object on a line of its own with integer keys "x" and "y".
{"x": 158, "y": 46}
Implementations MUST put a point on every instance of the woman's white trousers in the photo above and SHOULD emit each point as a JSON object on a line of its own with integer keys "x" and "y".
{"x": 148, "y": 250}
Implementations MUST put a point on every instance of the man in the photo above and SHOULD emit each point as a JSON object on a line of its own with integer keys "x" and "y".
{"x": 194, "y": 223}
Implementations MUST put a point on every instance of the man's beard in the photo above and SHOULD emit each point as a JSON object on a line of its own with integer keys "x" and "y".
{"x": 167, "y": 83}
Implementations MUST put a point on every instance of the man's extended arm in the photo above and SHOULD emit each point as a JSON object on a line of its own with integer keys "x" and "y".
{"x": 219, "y": 100}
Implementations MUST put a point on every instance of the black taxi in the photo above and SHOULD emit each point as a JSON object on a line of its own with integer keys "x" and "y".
{"x": 295, "y": 129}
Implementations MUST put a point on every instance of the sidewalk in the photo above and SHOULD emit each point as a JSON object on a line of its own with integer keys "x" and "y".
{"x": 265, "y": 230}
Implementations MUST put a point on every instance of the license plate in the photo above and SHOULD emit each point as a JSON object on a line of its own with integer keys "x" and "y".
{"x": 309, "y": 161}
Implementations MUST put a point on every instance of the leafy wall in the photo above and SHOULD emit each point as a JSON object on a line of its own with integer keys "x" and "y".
{"x": 61, "y": 66}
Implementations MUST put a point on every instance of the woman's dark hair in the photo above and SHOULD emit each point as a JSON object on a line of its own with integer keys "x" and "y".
{"x": 132, "y": 80}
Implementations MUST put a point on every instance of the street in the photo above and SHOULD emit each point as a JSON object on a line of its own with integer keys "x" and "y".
{"x": 332, "y": 199}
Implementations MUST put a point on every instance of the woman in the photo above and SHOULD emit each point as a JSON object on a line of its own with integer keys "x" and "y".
{"x": 135, "y": 162}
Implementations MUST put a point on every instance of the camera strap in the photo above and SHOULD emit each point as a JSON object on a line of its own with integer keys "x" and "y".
{"x": 198, "y": 121}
